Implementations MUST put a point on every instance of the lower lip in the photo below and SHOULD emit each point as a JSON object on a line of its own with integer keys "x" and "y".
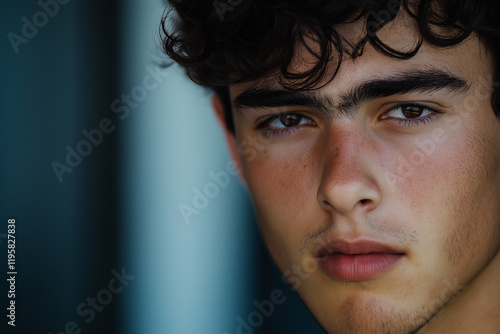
{"x": 358, "y": 267}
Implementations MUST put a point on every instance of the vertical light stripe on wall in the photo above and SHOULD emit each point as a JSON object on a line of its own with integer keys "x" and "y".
{"x": 192, "y": 276}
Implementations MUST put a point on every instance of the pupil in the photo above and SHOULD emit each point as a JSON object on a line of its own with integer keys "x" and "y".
{"x": 290, "y": 120}
{"x": 412, "y": 111}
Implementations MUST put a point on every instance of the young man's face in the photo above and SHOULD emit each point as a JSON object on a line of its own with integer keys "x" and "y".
{"x": 377, "y": 195}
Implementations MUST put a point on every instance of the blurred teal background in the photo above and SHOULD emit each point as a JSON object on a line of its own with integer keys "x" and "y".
{"x": 104, "y": 247}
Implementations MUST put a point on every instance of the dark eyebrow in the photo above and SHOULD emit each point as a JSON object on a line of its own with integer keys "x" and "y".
{"x": 421, "y": 81}
{"x": 400, "y": 84}
{"x": 262, "y": 98}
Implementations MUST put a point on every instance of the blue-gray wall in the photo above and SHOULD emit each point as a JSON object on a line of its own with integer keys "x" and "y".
{"x": 109, "y": 227}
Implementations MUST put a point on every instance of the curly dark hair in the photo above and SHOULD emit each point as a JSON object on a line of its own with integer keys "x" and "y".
{"x": 224, "y": 42}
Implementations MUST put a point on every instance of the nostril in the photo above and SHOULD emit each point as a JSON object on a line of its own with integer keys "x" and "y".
{"x": 364, "y": 201}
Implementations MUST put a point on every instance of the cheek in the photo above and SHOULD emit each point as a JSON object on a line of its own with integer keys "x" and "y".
{"x": 475, "y": 235}
{"x": 453, "y": 196}
{"x": 282, "y": 185}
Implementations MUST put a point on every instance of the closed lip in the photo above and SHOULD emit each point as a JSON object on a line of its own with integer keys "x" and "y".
{"x": 356, "y": 247}
{"x": 357, "y": 261}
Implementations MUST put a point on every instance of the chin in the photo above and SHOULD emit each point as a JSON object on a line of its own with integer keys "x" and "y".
{"x": 371, "y": 314}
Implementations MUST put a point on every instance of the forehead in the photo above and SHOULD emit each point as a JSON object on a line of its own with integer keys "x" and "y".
{"x": 468, "y": 60}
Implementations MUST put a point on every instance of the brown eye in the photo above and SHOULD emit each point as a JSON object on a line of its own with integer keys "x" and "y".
{"x": 412, "y": 111}
{"x": 290, "y": 120}
{"x": 410, "y": 114}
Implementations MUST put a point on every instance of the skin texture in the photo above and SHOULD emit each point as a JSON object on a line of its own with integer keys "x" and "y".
{"x": 363, "y": 176}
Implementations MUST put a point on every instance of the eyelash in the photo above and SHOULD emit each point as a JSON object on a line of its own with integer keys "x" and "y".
{"x": 409, "y": 122}
{"x": 406, "y": 122}
{"x": 279, "y": 132}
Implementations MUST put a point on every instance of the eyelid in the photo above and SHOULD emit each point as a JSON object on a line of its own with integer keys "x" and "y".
{"x": 262, "y": 121}
{"x": 410, "y": 122}
{"x": 276, "y": 132}
{"x": 392, "y": 106}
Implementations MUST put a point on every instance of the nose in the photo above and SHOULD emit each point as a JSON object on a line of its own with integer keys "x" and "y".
{"x": 348, "y": 183}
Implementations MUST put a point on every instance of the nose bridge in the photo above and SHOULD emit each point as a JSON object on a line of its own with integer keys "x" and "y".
{"x": 346, "y": 177}
{"x": 343, "y": 151}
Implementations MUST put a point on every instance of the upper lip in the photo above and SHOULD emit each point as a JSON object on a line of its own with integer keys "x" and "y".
{"x": 355, "y": 247}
